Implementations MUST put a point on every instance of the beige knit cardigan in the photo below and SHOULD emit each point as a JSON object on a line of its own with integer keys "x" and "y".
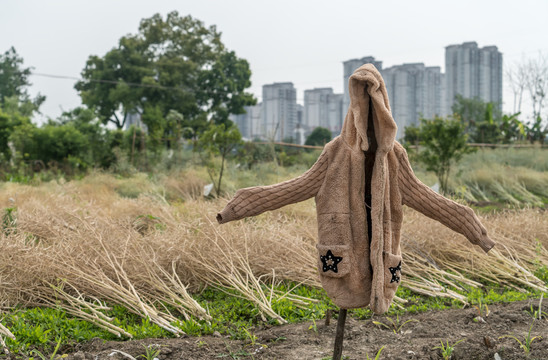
{"x": 356, "y": 271}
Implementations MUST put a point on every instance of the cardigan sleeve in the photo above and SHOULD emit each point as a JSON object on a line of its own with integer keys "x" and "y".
{"x": 455, "y": 216}
{"x": 256, "y": 200}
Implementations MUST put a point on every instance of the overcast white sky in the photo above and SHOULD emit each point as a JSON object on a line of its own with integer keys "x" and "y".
{"x": 300, "y": 41}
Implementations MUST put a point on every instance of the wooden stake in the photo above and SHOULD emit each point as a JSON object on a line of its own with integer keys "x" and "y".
{"x": 328, "y": 317}
{"x": 337, "y": 352}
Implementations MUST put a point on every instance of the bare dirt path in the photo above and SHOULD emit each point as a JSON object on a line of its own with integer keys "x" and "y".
{"x": 416, "y": 340}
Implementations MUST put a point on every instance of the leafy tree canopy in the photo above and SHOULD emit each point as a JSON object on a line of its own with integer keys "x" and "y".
{"x": 443, "y": 143}
{"x": 219, "y": 140}
{"x": 13, "y": 78}
{"x": 101, "y": 140}
{"x": 8, "y": 122}
{"x": 484, "y": 123}
{"x": 319, "y": 136}
{"x": 473, "y": 110}
{"x": 14, "y": 83}
{"x": 176, "y": 63}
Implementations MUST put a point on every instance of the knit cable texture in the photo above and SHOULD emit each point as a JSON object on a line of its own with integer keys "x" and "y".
{"x": 256, "y": 200}
{"x": 455, "y": 216}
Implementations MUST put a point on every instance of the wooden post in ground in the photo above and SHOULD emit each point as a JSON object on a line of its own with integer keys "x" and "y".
{"x": 339, "y": 335}
{"x": 328, "y": 317}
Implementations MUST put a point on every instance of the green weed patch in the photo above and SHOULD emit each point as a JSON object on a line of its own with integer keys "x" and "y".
{"x": 42, "y": 328}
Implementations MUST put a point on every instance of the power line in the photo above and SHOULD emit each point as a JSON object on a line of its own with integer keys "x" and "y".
{"x": 130, "y": 84}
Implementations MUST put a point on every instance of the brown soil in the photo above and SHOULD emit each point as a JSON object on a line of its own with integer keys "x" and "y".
{"x": 362, "y": 337}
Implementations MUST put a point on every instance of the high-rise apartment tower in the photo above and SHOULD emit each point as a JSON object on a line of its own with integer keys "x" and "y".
{"x": 473, "y": 72}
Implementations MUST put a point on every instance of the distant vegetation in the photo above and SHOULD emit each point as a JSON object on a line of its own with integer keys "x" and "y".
{"x": 179, "y": 79}
{"x": 175, "y": 75}
{"x": 483, "y": 123}
{"x": 440, "y": 143}
{"x": 318, "y": 136}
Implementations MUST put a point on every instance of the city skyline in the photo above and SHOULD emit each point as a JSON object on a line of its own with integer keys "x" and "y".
{"x": 480, "y": 71}
{"x": 280, "y": 45}
{"x": 414, "y": 90}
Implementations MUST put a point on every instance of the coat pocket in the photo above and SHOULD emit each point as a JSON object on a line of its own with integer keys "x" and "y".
{"x": 392, "y": 272}
{"x": 334, "y": 229}
{"x": 334, "y": 260}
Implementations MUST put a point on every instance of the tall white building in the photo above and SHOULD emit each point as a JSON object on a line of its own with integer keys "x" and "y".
{"x": 473, "y": 72}
{"x": 335, "y": 113}
{"x": 257, "y": 130}
{"x": 414, "y": 91}
{"x": 250, "y": 123}
{"x": 300, "y": 115}
{"x": 315, "y": 108}
{"x": 300, "y": 136}
{"x": 348, "y": 69}
{"x": 242, "y": 122}
{"x": 322, "y": 108}
{"x": 279, "y": 111}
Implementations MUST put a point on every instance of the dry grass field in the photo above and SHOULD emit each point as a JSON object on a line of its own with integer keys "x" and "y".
{"x": 80, "y": 244}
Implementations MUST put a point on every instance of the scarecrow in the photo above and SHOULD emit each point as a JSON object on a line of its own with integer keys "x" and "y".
{"x": 360, "y": 182}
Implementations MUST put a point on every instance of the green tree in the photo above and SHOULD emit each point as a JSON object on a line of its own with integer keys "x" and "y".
{"x": 252, "y": 154}
{"x": 511, "y": 128}
{"x": 536, "y": 132}
{"x": 14, "y": 80}
{"x": 319, "y": 137}
{"x": 222, "y": 89}
{"x": 8, "y": 122}
{"x": 469, "y": 110}
{"x": 488, "y": 130}
{"x": 5, "y": 131}
{"x": 16, "y": 107}
{"x": 74, "y": 141}
{"x": 411, "y": 135}
{"x": 481, "y": 119}
{"x": 443, "y": 143}
{"x": 219, "y": 140}
{"x": 53, "y": 145}
{"x": 176, "y": 63}
{"x": 101, "y": 140}
{"x": 113, "y": 85}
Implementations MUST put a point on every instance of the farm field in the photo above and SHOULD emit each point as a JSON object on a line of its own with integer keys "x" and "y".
{"x": 142, "y": 258}
{"x": 128, "y": 132}
{"x": 307, "y": 341}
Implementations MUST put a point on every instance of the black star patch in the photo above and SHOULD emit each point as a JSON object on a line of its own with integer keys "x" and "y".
{"x": 393, "y": 271}
{"x": 330, "y": 261}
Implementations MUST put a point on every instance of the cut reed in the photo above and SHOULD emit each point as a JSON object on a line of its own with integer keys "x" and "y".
{"x": 83, "y": 244}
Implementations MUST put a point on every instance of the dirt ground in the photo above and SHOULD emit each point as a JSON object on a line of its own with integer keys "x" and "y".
{"x": 416, "y": 340}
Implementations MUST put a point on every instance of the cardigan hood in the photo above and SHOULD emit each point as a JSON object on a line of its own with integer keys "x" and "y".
{"x": 360, "y": 182}
{"x": 367, "y": 89}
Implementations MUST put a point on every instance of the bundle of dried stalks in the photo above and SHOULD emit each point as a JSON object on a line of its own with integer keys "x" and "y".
{"x": 95, "y": 246}
{"x": 433, "y": 252}
{"x": 5, "y": 332}
{"x": 224, "y": 261}
{"x": 76, "y": 306}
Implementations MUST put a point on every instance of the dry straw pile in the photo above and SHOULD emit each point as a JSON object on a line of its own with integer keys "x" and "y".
{"x": 81, "y": 246}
